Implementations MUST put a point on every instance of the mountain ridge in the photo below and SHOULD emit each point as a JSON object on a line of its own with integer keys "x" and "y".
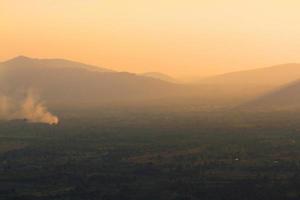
{"x": 58, "y": 82}
{"x": 161, "y": 76}
{"x": 51, "y": 62}
{"x": 273, "y": 75}
{"x": 286, "y": 97}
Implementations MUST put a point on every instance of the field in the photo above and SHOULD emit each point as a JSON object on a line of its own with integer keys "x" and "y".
{"x": 147, "y": 154}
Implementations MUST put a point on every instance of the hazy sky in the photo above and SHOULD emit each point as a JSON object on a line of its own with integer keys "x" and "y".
{"x": 179, "y": 37}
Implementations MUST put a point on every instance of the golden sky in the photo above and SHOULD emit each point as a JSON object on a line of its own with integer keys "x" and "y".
{"x": 178, "y": 37}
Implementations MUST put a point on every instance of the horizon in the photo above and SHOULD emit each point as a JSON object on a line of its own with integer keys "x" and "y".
{"x": 196, "y": 77}
{"x": 179, "y": 39}
{"x": 144, "y": 100}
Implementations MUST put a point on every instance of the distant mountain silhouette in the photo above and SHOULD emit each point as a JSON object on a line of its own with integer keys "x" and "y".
{"x": 63, "y": 82}
{"x": 284, "y": 98}
{"x": 250, "y": 84}
{"x": 160, "y": 76}
{"x": 23, "y": 61}
{"x": 269, "y": 76}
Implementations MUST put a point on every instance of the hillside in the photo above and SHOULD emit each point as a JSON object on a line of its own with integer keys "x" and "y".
{"x": 23, "y": 61}
{"x": 284, "y": 98}
{"x": 63, "y": 82}
{"x": 250, "y": 84}
{"x": 160, "y": 76}
{"x": 269, "y": 76}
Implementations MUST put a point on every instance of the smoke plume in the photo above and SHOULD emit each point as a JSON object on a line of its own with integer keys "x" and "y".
{"x": 29, "y": 108}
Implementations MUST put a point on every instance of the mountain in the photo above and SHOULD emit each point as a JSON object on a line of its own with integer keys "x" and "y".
{"x": 65, "y": 83}
{"x": 250, "y": 84}
{"x": 269, "y": 76}
{"x": 286, "y": 97}
{"x": 23, "y": 61}
{"x": 160, "y": 76}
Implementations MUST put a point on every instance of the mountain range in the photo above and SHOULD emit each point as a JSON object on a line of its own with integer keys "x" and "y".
{"x": 62, "y": 82}
{"x": 284, "y": 98}
{"x": 269, "y": 76}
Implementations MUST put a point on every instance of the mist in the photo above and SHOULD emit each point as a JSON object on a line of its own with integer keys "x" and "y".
{"x": 29, "y": 108}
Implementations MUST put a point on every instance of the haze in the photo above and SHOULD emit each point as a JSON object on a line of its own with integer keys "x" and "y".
{"x": 180, "y": 38}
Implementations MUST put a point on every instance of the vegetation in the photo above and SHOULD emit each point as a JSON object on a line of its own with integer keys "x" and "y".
{"x": 153, "y": 155}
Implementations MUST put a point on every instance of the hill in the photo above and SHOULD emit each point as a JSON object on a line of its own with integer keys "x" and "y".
{"x": 160, "y": 76}
{"x": 62, "y": 82}
{"x": 269, "y": 76}
{"x": 23, "y": 61}
{"x": 252, "y": 83}
{"x": 286, "y": 97}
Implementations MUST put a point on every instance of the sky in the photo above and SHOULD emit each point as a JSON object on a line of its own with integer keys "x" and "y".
{"x": 183, "y": 38}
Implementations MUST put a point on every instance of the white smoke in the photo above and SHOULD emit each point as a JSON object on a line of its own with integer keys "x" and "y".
{"x": 29, "y": 108}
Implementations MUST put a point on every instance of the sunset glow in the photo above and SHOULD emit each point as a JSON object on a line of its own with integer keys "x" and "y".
{"x": 181, "y": 38}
